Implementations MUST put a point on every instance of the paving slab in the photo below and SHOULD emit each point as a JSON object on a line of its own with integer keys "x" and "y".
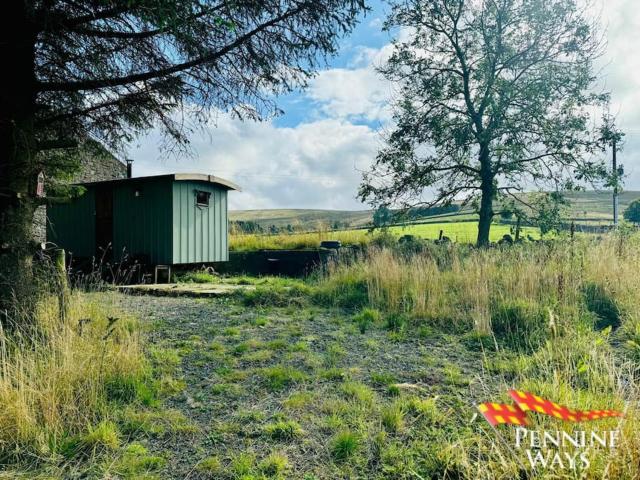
{"x": 184, "y": 289}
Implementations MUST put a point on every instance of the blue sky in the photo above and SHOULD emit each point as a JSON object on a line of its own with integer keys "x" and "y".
{"x": 368, "y": 34}
{"x": 313, "y": 156}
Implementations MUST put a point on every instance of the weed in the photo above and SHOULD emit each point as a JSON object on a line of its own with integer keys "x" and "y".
{"x": 359, "y": 392}
{"x": 393, "y": 418}
{"x": 137, "y": 463}
{"x": 600, "y": 302}
{"x": 210, "y": 465}
{"x": 279, "y": 377}
{"x": 298, "y": 400}
{"x": 335, "y": 352}
{"x": 396, "y": 322}
{"x": 519, "y": 325}
{"x": 383, "y": 378}
{"x": 366, "y": 318}
{"x": 333, "y": 374}
{"x": 260, "y": 356}
{"x": 344, "y": 445}
{"x": 231, "y": 332}
{"x": 283, "y": 430}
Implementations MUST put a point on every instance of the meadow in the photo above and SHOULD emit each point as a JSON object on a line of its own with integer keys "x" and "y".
{"x": 457, "y": 231}
{"x": 370, "y": 369}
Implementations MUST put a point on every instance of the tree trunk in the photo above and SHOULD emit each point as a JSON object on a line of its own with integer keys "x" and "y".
{"x": 18, "y": 164}
{"x": 486, "y": 201}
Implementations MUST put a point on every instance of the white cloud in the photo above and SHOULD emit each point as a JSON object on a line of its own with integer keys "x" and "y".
{"x": 621, "y": 75}
{"x": 314, "y": 165}
{"x": 355, "y": 93}
{"x": 318, "y": 164}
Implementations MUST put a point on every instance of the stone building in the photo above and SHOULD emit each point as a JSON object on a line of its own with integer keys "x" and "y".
{"x": 97, "y": 164}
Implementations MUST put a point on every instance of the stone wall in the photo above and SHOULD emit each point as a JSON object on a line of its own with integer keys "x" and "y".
{"x": 97, "y": 164}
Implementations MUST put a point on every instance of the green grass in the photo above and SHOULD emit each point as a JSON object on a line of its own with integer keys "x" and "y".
{"x": 585, "y": 207}
{"x": 457, "y": 231}
{"x": 376, "y": 369}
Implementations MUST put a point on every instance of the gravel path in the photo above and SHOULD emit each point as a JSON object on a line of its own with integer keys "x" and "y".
{"x": 225, "y": 349}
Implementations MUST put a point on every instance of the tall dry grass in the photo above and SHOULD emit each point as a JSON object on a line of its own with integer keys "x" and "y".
{"x": 56, "y": 382}
{"x": 460, "y": 284}
{"x": 581, "y": 299}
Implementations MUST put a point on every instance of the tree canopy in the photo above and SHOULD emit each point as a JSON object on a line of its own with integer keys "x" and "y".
{"x": 109, "y": 70}
{"x": 495, "y": 97}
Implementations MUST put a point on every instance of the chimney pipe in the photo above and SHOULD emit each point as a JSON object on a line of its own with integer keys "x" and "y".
{"x": 129, "y": 168}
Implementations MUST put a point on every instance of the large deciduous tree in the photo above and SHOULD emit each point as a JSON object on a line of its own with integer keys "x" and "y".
{"x": 494, "y": 96}
{"x": 110, "y": 69}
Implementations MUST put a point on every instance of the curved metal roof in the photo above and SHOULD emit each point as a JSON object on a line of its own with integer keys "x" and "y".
{"x": 194, "y": 177}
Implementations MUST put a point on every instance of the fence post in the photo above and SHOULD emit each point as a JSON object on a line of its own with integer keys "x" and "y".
{"x": 63, "y": 286}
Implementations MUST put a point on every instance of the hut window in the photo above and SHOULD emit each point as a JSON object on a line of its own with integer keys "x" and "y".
{"x": 202, "y": 198}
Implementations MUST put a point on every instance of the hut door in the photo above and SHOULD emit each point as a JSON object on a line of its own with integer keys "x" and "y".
{"x": 104, "y": 223}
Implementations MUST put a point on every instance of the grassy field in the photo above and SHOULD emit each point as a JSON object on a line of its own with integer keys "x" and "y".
{"x": 586, "y": 207}
{"x": 462, "y": 232}
{"x": 369, "y": 370}
{"x": 373, "y": 370}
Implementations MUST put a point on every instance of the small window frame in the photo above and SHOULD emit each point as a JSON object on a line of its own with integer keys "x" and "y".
{"x": 202, "y": 198}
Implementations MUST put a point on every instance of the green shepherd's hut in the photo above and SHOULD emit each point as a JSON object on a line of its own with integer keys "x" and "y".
{"x": 173, "y": 219}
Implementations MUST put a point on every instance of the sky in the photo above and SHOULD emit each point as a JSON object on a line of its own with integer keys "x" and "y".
{"x": 314, "y": 154}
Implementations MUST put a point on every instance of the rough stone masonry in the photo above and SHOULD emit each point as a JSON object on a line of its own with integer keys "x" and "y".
{"x": 97, "y": 164}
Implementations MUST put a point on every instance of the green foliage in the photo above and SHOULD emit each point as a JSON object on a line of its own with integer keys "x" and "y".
{"x": 467, "y": 115}
{"x": 632, "y": 212}
{"x": 601, "y": 303}
{"x": 350, "y": 293}
{"x": 396, "y": 322}
{"x": 279, "y": 377}
{"x": 518, "y": 325}
{"x": 359, "y": 392}
{"x": 104, "y": 436}
{"x": 136, "y": 462}
{"x": 393, "y": 417}
{"x": 382, "y": 217}
{"x": 344, "y": 445}
{"x": 210, "y": 465}
{"x": 283, "y": 430}
{"x": 549, "y": 211}
{"x": 197, "y": 277}
{"x": 366, "y": 318}
{"x": 275, "y": 465}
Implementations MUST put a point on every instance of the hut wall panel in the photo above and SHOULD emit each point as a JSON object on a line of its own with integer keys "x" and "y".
{"x": 143, "y": 225}
{"x": 72, "y": 225}
{"x": 199, "y": 232}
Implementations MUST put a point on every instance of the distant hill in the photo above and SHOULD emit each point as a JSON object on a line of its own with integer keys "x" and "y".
{"x": 302, "y": 219}
{"x": 586, "y": 207}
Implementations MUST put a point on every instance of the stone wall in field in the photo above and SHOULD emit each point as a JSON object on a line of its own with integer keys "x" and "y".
{"x": 97, "y": 164}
